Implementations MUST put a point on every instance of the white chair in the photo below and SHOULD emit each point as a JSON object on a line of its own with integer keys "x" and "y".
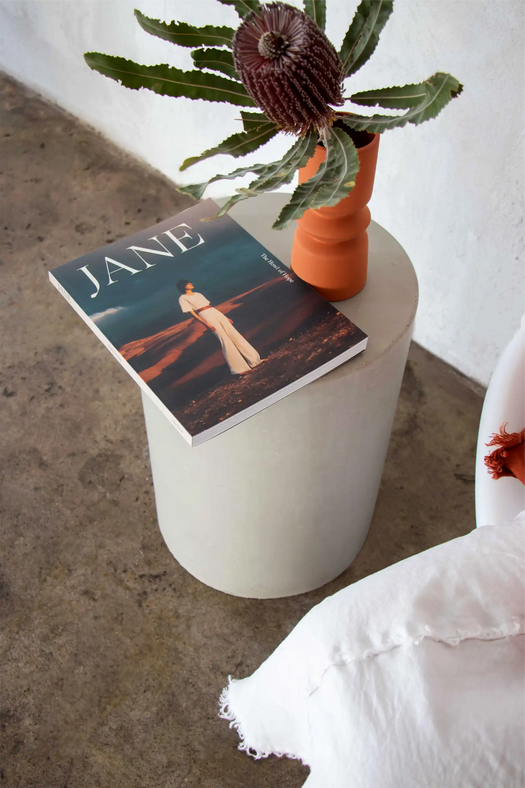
{"x": 502, "y": 499}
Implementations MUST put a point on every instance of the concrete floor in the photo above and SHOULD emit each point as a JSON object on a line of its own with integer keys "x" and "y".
{"x": 112, "y": 656}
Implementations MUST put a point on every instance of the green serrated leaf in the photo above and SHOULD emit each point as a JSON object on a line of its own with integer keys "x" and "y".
{"x": 215, "y": 60}
{"x": 332, "y": 182}
{"x": 169, "y": 81}
{"x": 425, "y": 101}
{"x": 282, "y": 171}
{"x": 196, "y": 190}
{"x": 405, "y": 97}
{"x": 363, "y": 34}
{"x": 186, "y": 35}
{"x": 243, "y": 7}
{"x": 253, "y": 119}
{"x": 271, "y": 175}
{"x": 278, "y": 173}
{"x": 316, "y": 10}
{"x": 238, "y": 144}
{"x": 233, "y": 200}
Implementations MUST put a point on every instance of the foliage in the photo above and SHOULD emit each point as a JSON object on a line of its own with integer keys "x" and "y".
{"x": 215, "y": 78}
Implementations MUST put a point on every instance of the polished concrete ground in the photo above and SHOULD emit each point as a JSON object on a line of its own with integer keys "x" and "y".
{"x": 112, "y": 656}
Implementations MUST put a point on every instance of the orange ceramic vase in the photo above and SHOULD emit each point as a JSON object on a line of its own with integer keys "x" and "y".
{"x": 330, "y": 248}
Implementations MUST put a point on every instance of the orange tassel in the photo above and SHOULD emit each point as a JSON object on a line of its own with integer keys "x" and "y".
{"x": 504, "y": 438}
{"x": 509, "y": 458}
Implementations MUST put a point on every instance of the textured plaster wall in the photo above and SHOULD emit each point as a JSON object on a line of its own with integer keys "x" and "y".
{"x": 451, "y": 191}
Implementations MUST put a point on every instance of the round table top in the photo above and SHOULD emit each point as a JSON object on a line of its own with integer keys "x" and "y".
{"x": 384, "y": 309}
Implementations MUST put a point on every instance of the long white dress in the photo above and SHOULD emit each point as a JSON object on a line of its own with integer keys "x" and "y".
{"x": 238, "y": 353}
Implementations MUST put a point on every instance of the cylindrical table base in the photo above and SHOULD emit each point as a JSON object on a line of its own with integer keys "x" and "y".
{"x": 282, "y": 503}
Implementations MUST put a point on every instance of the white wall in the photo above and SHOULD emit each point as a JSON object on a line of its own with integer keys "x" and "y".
{"x": 451, "y": 191}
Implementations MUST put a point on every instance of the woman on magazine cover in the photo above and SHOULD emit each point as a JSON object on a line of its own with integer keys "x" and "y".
{"x": 240, "y": 356}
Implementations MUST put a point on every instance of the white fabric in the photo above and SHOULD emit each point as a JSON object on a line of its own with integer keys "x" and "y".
{"x": 411, "y": 677}
{"x": 238, "y": 353}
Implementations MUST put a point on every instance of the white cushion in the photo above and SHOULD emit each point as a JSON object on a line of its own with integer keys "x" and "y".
{"x": 413, "y": 676}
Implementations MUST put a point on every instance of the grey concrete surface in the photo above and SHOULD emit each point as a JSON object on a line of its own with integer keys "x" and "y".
{"x": 112, "y": 656}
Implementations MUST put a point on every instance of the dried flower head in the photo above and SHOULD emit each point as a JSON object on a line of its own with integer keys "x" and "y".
{"x": 289, "y": 67}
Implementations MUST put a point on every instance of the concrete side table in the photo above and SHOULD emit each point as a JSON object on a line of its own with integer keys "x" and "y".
{"x": 282, "y": 503}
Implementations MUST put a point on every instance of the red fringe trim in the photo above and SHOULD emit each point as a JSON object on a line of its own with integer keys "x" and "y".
{"x": 495, "y": 461}
{"x": 504, "y": 438}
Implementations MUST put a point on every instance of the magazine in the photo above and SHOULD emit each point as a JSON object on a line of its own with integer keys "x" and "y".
{"x": 206, "y": 320}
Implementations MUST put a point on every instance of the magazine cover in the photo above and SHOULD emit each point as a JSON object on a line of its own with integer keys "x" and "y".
{"x": 206, "y": 320}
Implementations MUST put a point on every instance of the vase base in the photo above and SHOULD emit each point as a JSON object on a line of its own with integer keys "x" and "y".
{"x": 338, "y": 295}
{"x": 336, "y": 270}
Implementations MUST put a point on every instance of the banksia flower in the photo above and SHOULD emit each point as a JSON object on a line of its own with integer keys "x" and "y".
{"x": 289, "y": 67}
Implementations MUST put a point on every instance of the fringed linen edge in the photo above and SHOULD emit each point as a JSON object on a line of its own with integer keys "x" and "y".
{"x": 226, "y": 712}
